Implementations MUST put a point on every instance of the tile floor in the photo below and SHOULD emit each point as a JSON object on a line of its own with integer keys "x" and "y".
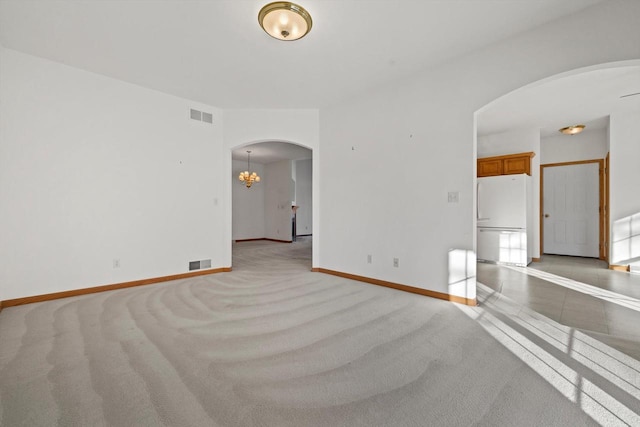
{"x": 608, "y": 309}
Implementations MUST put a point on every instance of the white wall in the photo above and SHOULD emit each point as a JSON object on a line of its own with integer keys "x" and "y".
{"x": 520, "y": 141}
{"x": 78, "y": 149}
{"x": 242, "y": 127}
{"x": 304, "y": 199}
{"x": 277, "y": 200}
{"x": 512, "y": 142}
{"x": 624, "y": 179}
{"x": 388, "y": 158}
{"x": 93, "y": 169}
{"x": 588, "y": 145}
{"x": 248, "y": 203}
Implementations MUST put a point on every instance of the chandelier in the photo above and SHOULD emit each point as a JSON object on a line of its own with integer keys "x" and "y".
{"x": 248, "y": 178}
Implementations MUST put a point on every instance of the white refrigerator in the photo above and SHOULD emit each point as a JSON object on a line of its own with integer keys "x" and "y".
{"x": 504, "y": 219}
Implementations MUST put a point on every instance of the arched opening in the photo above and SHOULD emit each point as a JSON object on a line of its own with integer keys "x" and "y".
{"x": 560, "y": 283}
{"x": 528, "y": 120}
{"x": 273, "y": 216}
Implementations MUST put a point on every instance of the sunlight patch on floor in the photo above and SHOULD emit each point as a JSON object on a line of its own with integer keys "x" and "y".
{"x": 598, "y": 404}
{"x": 593, "y": 291}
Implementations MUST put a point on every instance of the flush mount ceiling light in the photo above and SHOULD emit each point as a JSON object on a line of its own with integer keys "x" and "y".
{"x": 284, "y": 20}
{"x": 248, "y": 178}
{"x": 572, "y": 130}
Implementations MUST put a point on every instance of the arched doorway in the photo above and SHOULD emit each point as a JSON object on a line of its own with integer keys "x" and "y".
{"x": 277, "y": 209}
{"x": 528, "y": 120}
{"x": 605, "y": 98}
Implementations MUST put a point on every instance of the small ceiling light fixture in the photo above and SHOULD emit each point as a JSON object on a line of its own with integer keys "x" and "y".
{"x": 572, "y": 130}
{"x": 285, "y": 21}
{"x": 248, "y": 178}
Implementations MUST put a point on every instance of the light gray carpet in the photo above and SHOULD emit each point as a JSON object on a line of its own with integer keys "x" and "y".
{"x": 272, "y": 344}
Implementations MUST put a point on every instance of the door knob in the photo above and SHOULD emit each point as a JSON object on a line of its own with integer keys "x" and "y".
{"x": 546, "y": 215}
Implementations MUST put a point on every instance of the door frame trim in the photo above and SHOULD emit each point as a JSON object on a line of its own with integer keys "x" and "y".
{"x": 603, "y": 237}
{"x": 607, "y": 212}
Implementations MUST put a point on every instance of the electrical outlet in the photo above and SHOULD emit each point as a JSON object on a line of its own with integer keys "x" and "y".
{"x": 396, "y": 262}
{"x": 368, "y": 259}
{"x": 116, "y": 263}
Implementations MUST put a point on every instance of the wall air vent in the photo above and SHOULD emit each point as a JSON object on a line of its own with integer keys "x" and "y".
{"x": 198, "y": 265}
{"x": 196, "y": 115}
{"x": 201, "y": 116}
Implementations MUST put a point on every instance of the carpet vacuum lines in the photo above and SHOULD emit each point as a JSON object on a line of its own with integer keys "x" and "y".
{"x": 225, "y": 309}
{"x": 325, "y": 354}
{"x": 274, "y": 318}
{"x": 293, "y": 338}
{"x": 295, "y": 358}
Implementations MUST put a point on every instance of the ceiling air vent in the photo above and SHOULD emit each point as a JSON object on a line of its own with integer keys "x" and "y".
{"x": 201, "y": 116}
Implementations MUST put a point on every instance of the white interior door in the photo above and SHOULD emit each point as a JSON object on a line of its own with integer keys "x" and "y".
{"x": 571, "y": 210}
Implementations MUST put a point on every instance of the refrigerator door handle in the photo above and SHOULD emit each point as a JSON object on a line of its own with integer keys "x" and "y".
{"x": 478, "y": 198}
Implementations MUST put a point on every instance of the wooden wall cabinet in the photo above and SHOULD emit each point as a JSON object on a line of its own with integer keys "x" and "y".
{"x": 489, "y": 167}
{"x": 510, "y": 164}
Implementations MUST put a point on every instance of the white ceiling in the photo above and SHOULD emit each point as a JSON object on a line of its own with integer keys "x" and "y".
{"x": 215, "y": 52}
{"x": 586, "y": 98}
{"x": 273, "y": 151}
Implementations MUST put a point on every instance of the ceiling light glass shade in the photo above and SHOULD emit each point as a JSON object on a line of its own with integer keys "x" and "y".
{"x": 572, "y": 130}
{"x": 285, "y": 21}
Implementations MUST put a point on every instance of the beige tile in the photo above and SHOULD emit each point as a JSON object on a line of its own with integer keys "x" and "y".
{"x": 569, "y": 307}
{"x": 585, "y": 303}
{"x": 586, "y": 326}
{"x": 550, "y": 312}
{"x": 629, "y": 347}
{"x": 617, "y": 312}
{"x": 583, "y": 319}
{"x": 623, "y": 321}
{"x": 586, "y": 315}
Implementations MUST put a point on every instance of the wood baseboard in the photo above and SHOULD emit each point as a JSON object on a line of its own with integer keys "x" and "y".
{"x": 264, "y": 238}
{"x": 104, "y": 288}
{"x": 398, "y": 286}
{"x": 619, "y": 267}
{"x": 535, "y": 259}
